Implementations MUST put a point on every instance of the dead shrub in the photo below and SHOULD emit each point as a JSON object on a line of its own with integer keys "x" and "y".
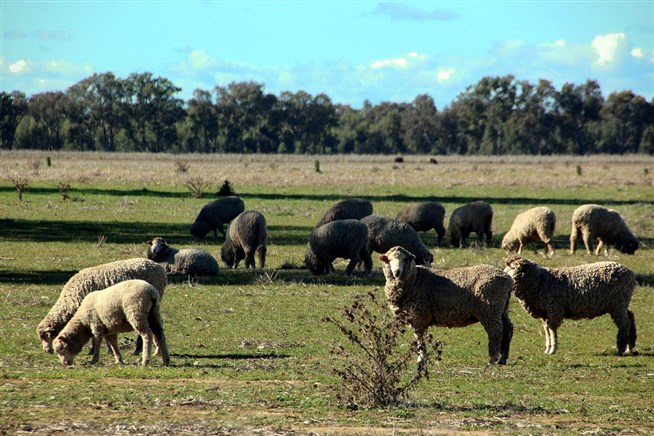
{"x": 63, "y": 190}
{"x": 20, "y": 183}
{"x": 197, "y": 186}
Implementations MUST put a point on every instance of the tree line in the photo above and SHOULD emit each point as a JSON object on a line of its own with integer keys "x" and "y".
{"x": 498, "y": 115}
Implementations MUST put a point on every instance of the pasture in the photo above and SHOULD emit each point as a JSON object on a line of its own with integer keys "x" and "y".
{"x": 249, "y": 353}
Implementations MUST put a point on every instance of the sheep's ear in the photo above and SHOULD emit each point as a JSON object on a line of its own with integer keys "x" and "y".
{"x": 383, "y": 258}
{"x": 149, "y": 242}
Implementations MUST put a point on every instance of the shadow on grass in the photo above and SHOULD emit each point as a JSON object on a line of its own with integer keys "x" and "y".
{"x": 231, "y": 356}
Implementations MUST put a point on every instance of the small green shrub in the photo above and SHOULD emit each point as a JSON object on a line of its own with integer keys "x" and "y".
{"x": 578, "y": 170}
{"x": 316, "y": 166}
{"x": 225, "y": 189}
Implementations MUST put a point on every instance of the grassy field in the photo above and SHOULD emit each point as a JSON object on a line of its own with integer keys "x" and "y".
{"x": 249, "y": 352}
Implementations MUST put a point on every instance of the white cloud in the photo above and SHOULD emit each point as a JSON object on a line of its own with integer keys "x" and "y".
{"x": 198, "y": 59}
{"x": 637, "y": 52}
{"x": 401, "y": 62}
{"x": 607, "y": 47}
{"x": 444, "y": 75}
{"x": 19, "y": 67}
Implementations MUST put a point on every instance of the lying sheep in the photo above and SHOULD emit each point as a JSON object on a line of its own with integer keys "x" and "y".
{"x": 424, "y": 217}
{"x": 579, "y": 292}
{"x": 473, "y": 217}
{"x": 536, "y": 224}
{"x": 341, "y": 238}
{"x": 605, "y": 225}
{"x": 456, "y": 297}
{"x": 94, "y": 279}
{"x": 385, "y": 233}
{"x": 214, "y": 215}
{"x": 247, "y": 234}
{"x": 185, "y": 261}
{"x": 353, "y": 208}
{"x": 132, "y": 305}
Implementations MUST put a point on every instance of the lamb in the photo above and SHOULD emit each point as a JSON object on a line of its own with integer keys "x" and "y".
{"x": 214, "y": 215}
{"x": 578, "y": 292}
{"x": 246, "y": 235}
{"x": 185, "y": 261}
{"x": 424, "y": 217}
{"x": 341, "y": 238}
{"x": 457, "y": 297}
{"x": 385, "y": 233}
{"x": 536, "y": 224}
{"x": 472, "y": 217}
{"x": 94, "y": 279}
{"x": 605, "y": 225}
{"x": 353, "y": 208}
{"x": 132, "y": 305}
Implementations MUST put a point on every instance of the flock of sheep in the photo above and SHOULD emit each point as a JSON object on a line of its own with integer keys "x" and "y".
{"x": 102, "y": 301}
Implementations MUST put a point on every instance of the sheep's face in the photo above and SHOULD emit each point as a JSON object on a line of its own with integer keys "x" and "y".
{"x": 62, "y": 348}
{"x": 628, "y": 245}
{"x": 227, "y": 256}
{"x": 396, "y": 262}
{"x": 199, "y": 229}
{"x": 515, "y": 264}
{"x": 156, "y": 248}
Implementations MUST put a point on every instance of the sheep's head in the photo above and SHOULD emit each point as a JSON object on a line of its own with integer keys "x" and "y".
{"x": 46, "y": 335}
{"x": 516, "y": 264}
{"x": 64, "y": 349}
{"x": 156, "y": 248}
{"x": 311, "y": 261}
{"x": 397, "y": 262}
{"x": 199, "y": 228}
{"x": 627, "y": 244}
{"x": 227, "y": 255}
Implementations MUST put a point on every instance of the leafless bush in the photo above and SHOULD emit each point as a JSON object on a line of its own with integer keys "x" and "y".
{"x": 197, "y": 186}
{"x": 101, "y": 240}
{"x": 34, "y": 165}
{"x": 376, "y": 370}
{"x": 182, "y": 165}
{"x": 63, "y": 190}
{"x": 21, "y": 184}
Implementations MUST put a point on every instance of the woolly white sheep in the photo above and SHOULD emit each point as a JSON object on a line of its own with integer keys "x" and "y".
{"x": 578, "y": 292}
{"x": 385, "y": 233}
{"x": 455, "y": 297}
{"x": 472, "y": 217}
{"x": 352, "y": 208}
{"x": 247, "y": 234}
{"x": 132, "y": 305}
{"x": 536, "y": 224}
{"x": 215, "y": 214}
{"x": 424, "y": 217}
{"x": 605, "y": 225}
{"x": 94, "y": 279}
{"x": 341, "y": 238}
{"x": 185, "y": 261}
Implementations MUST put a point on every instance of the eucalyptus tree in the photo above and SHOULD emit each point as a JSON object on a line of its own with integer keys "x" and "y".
{"x": 202, "y": 119}
{"x": 420, "y": 126}
{"x": 13, "y": 108}
{"x": 48, "y": 109}
{"x": 626, "y": 117}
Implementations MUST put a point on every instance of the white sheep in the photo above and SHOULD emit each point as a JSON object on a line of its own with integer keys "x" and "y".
{"x": 455, "y": 297}
{"x": 132, "y": 305}
{"x": 578, "y": 292}
{"x": 185, "y": 261}
{"x": 94, "y": 279}
{"x": 536, "y": 224}
{"x": 247, "y": 234}
{"x": 605, "y": 225}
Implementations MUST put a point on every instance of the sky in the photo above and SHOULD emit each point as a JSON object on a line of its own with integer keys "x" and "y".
{"x": 352, "y": 50}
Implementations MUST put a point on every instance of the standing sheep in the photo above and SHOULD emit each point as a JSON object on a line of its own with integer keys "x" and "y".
{"x": 424, "y": 217}
{"x": 457, "y": 297}
{"x": 185, "y": 261}
{"x": 472, "y": 217}
{"x": 341, "y": 238}
{"x": 605, "y": 225}
{"x": 578, "y": 292}
{"x": 94, "y": 279}
{"x": 132, "y": 305}
{"x": 353, "y": 208}
{"x": 214, "y": 215}
{"x": 536, "y": 224}
{"x": 385, "y": 233}
{"x": 247, "y": 234}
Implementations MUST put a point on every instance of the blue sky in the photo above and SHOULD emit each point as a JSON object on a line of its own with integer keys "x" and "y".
{"x": 350, "y": 50}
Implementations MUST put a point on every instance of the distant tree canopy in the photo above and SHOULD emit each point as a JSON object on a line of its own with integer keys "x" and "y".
{"x": 498, "y": 115}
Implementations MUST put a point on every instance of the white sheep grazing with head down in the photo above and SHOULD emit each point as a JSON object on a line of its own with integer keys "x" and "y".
{"x": 94, "y": 279}
{"x": 578, "y": 292}
{"x": 185, "y": 261}
{"x": 605, "y": 225}
{"x": 456, "y": 297}
{"x": 132, "y": 305}
{"x": 536, "y": 224}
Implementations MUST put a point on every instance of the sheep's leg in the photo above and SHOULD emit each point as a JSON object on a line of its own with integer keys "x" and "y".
{"x": 574, "y": 235}
{"x": 139, "y": 346}
{"x": 519, "y": 247}
{"x": 156, "y": 325}
{"x": 600, "y": 244}
{"x": 494, "y": 330}
{"x": 551, "y": 336}
{"x": 97, "y": 339}
{"x": 112, "y": 340}
{"x": 261, "y": 254}
{"x": 507, "y": 335}
{"x": 367, "y": 260}
{"x": 632, "y": 332}
{"x": 351, "y": 265}
{"x": 622, "y": 320}
{"x": 422, "y": 348}
{"x": 588, "y": 242}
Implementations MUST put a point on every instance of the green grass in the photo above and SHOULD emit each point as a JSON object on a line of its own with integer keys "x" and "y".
{"x": 249, "y": 351}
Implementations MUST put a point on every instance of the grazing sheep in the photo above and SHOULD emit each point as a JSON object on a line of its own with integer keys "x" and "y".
{"x": 424, "y": 217}
{"x": 353, "y": 208}
{"x": 185, "y": 261}
{"x": 457, "y": 297}
{"x": 472, "y": 217}
{"x": 246, "y": 235}
{"x": 536, "y": 224}
{"x": 578, "y": 292}
{"x": 341, "y": 238}
{"x": 94, "y": 279}
{"x": 214, "y": 215}
{"x": 132, "y": 305}
{"x": 385, "y": 233}
{"x": 605, "y": 225}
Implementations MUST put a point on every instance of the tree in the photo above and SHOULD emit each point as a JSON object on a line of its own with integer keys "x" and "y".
{"x": 49, "y": 111}
{"x": 420, "y": 125}
{"x": 203, "y": 120}
{"x": 13, "y": 107}
{"x": 625, "y": 117}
